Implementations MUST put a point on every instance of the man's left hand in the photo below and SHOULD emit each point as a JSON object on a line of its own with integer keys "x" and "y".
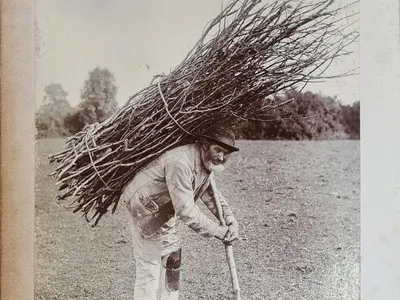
{"x": 233, "y": 230}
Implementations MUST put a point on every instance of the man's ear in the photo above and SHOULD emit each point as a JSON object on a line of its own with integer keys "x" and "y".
{"x": 204, "y": 145}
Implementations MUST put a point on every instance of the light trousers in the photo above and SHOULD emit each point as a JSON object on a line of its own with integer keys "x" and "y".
{"x": 150, "y": 259}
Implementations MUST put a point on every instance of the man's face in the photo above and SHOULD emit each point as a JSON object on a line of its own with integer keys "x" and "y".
{"x": 215, "y": 157}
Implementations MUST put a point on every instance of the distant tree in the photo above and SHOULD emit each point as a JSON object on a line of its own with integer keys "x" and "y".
{"x": 98, "y": 97}
{"x": 50, "y": 116}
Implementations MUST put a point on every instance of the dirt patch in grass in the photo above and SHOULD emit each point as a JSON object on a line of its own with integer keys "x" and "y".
{"x": 298, "y": 204}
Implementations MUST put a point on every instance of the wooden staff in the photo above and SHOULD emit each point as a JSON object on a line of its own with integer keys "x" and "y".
{"x": 228, "y": 248}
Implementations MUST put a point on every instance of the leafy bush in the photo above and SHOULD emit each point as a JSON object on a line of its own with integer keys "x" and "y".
{"x": 351, "y": 119}
{"x": 50, "y": 118}
{"x": 308, "y": 116}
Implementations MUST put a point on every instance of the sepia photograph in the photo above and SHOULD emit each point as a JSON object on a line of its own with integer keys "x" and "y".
{"x": 197, "y": 150}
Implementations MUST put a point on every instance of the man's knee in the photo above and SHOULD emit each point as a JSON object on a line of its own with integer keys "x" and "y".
{"x": 172, "y": 273}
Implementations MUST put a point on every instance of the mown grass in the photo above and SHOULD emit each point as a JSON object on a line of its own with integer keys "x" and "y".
{"x": 299, "y": 212}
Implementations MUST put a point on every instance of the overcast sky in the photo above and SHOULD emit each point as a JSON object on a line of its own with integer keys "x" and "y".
{"x": 135, "y": 40}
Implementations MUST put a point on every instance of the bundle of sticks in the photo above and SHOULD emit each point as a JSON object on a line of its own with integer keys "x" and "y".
{"x": 251, "y": 50}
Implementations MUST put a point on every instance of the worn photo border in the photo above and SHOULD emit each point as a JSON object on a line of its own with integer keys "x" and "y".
{"x": 17, "y": 149}
{"x": 380, "y": 149}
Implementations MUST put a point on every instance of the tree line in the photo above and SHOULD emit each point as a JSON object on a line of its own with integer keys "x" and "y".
{"x": 307, "y": 115}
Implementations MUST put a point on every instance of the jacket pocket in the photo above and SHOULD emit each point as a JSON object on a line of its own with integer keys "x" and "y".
{"x": 149, "y": 204}
{"x": 159, "y": 211}
{"x": 154, "y": 203}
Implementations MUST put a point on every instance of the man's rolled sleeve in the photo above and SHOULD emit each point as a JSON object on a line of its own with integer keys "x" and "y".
{"x": 179, "y": 182}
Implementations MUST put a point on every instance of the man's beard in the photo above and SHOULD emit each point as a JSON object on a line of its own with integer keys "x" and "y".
{"x": 208, "y": 163}
{"x": 213, "y": 167}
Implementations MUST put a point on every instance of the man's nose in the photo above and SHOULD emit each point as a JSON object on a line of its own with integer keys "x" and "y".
{"x": 221, "y": 156}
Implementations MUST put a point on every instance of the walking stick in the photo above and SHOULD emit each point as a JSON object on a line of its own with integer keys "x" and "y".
{"x": 228, "y": 248}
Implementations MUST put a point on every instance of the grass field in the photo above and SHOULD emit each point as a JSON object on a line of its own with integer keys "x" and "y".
{"x": 298, "y": 204}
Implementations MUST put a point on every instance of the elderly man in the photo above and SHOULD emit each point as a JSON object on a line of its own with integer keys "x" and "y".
{"x": 166, "y": 190}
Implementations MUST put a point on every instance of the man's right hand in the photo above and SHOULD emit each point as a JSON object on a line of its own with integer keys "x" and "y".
{"x": 221, "y": 232}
